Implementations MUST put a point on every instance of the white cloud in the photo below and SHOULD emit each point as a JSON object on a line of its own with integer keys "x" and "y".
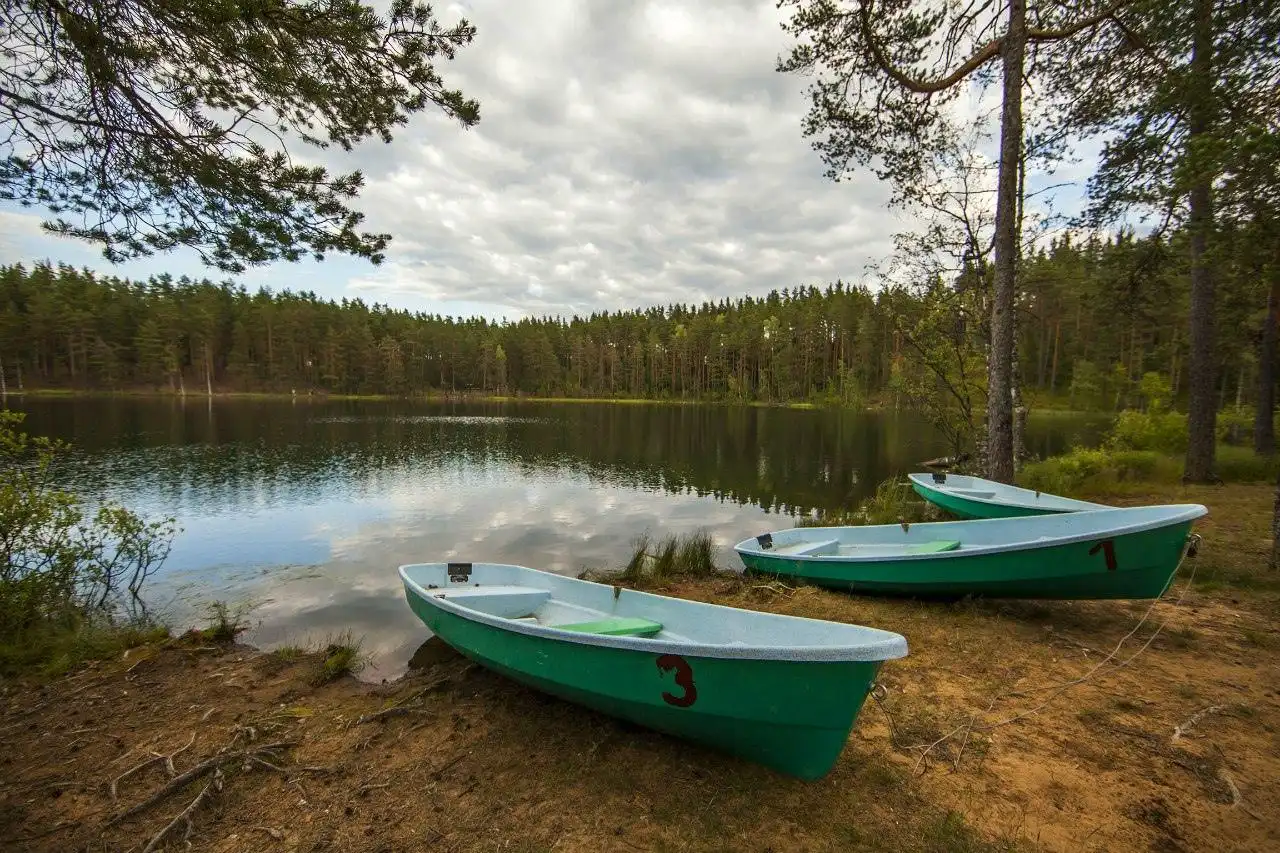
{"x": 628, "y": 154}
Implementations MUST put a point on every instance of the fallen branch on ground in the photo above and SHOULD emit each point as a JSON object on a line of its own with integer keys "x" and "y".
{"x": 1179, "y": 731}
{"x": 155, "y": 759}
{"x": 209, "y": 765}
{"x": 215, "y": 784}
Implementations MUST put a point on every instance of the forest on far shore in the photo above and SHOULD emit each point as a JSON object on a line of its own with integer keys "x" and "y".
{"x": 1094, "y": 316}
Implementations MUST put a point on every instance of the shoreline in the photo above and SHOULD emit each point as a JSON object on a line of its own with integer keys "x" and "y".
{"x": 871, "y": 405}
{"x": 454, "y": 757}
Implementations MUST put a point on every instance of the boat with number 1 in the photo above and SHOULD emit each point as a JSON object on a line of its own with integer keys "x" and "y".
{"x": 1111, "y": 553}
{"x": 783, "y": 691}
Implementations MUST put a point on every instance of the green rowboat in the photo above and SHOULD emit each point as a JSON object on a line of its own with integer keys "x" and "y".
{"x": 779, "y": 690}
{"x": 1111, "y": 553}
{"x": 974, "y": 497}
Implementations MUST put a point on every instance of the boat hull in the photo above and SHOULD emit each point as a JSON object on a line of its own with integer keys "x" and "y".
{"x": 975, "y": 498}
{"x": 793, "y": 716}
{"x": 1133, "y": 565}
{"x": 970, "y": 509}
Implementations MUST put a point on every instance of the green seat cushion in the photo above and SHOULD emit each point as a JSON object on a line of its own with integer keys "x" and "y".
{"x": 620, "y": 626}
{"x": 935, "y": 547}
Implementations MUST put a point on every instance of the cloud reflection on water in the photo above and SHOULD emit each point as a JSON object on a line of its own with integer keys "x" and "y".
{"x": 309, "y": 507}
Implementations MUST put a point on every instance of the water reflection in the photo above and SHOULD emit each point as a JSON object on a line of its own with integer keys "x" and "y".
{"x": 308, "y": 507}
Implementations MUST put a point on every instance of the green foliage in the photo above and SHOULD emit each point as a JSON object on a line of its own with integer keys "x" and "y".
{"x": 1101, "y": 469}
{"x": 1235, "y": 426}
{"x": 845, "y": 345}
{"x": 288, "y": 653}
{"x": 342, "y": 657}
{"x": 1156, "y": 391}
{"x": 52, "y": 651}
{"x": 1242, "y": 465}
{"x": 1086, "y": 384}
{"x": 1165, "y": 432}
{"x": 62, "y": 567}
{"x": 144, "y": 126}
{"x": 224, "y": 623}
{"x": 942, "y": 373}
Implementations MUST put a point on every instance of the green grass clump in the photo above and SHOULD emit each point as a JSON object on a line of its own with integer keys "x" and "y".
{"x": 635, "y": 568}
{"x": 288, "y": 654}
{"x": 665, "y": 558}
{"x": 55, "y": 651}
{"x": 341, "y": 657}
{"x": 697, "y": 555}
{"x": 223, "y": 624}
{"x": 689, "y": 555}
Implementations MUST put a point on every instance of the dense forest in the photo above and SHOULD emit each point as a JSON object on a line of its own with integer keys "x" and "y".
{"x": 1095, "y": 315}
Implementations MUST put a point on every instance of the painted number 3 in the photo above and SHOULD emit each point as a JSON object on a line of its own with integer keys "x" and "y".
{"x": 684, "y": 680}
{"x": 1108, "y": 548}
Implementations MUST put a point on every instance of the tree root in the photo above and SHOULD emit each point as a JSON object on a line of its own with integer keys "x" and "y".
{"x": 215, "y": 784}
{"x": 210, "y": 765}
{"x": 154, "y": 759}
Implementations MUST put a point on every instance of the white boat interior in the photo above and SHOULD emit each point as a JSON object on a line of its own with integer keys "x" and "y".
{"x": 989, "y": 491}
{"x": 947, "y": 539}
{"x": 529, "y": 601}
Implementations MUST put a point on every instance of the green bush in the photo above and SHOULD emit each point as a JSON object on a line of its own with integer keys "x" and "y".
{"x": 1242, "y": 465}
{"x": 1094, "y": 470}
{"x": 1235, "y": 426}
{"x": 65, "y": 571}
{"x": 1165, "y": 432}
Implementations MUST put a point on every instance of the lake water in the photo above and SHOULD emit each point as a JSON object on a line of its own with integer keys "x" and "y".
{"x": 306, "y": 508}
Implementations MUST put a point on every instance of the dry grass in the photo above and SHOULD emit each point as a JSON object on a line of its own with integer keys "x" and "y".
{"x": 483, "y": 764}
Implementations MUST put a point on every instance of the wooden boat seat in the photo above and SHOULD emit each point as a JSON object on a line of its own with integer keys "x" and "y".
{"x": 810, "y": 549}
{"x": 935, "y": 547}
{"x": 617, "y": 626}
{"x": 507, "y": 602}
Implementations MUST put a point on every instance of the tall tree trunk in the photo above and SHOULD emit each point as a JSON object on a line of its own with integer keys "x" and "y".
{"x": 1053, "y": 373}
{"x": 1264, "y": 435}
{"x": 999, "y": 449}
{"x": 4, "y": 389}
{"x": 1201, "y": 411}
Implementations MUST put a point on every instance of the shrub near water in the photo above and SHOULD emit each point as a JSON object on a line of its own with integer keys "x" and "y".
{"x": 64, "y": 571}
{"x": 1141, "y": 447}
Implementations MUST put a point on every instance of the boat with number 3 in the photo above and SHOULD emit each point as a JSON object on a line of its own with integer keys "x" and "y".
{"x": 782, "y": 691}
{"x": 1110, "y": 553}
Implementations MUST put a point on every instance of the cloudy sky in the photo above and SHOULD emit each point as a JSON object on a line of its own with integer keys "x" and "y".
{"x": 629, "y": 153}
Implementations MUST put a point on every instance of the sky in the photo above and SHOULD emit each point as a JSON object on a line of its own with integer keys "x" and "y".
{"x": 629, "y": 153}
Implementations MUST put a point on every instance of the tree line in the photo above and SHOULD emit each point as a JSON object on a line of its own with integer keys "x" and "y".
{"x": 1094, "y": 315}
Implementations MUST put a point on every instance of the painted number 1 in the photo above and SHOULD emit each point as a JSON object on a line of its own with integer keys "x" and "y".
{"x": 684, "y": 680}
{"x": 1108, "y": 548}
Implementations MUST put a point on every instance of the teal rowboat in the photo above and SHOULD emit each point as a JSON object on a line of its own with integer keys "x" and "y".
{"x": 779, "y": 690}
{"x": 973, "y": 497}
{"x": 1111, "y": 553}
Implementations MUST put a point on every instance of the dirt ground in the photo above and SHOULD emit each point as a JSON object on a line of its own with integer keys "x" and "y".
{"x": 977, "y": 741}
